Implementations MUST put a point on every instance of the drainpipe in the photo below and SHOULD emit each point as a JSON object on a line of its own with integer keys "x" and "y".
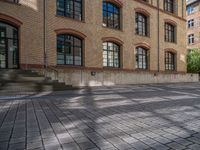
{"x": 183, "y": 10}
{"x": 44, "y": 30}
{"x": 158, "y": 28}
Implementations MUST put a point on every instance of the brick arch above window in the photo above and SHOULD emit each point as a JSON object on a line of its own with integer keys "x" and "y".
{"x": 72, "y": 32}
{"x": 113, "y": 39}
{"x": 118, "y": 3}
{"x": 10, "y": 20}
{"x": 170, "y": 50}
{"x": 170, "y": 22}
{"x": 142, "y": 11}
{"x": 143, "y": 45}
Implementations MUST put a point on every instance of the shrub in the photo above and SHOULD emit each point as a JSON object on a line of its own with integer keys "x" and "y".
{"x": 193, "y": 61}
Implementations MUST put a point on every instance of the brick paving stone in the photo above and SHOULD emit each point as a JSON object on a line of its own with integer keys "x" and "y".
{"x": 87, "y": 145}
{"x": 94, "y": 148}
{"x": 33, "y": 139}
{"x": 159, "y": 146}
{"x": 106, "y": 118}
{"x": 129, "y": 140}
{"x": 197, "y": 135}
{"x": 194, "y": 139}
{"x": 71, "y": 146}
{"x": 183, "y": 141}
{"x": 139, "y": 145}
{"x": 148, "y": 141}
{"x": 176, "y": 146}
{"x": 162, "y": 140}
{"x": 104, "y": 145}
{"x": 194, "y": 147}
{"x": 4, "y": 146}
{"x": 17, "y": 140}
{"x": 17, "y": 146}
{"x": 35, "y": 145}
{"x": 65, "y": 140}
{"x": 123, "y": 146}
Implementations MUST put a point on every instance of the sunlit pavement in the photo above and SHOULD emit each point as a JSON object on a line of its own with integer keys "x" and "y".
{"x": 128, "y": 117}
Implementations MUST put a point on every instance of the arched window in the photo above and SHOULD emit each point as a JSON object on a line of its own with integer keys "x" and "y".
{"x": 141, "y": 58}
{"x": 111, "y": 55}
{"x": 9, "y": 46}
{"x": 69, "y": 50}
{"x": 170, "y": 61}
{"x": 70, "y": 8}
{"x": 111, "y": 15}
{"x": 141, "y": 24}
{"x": 169, "y": 33}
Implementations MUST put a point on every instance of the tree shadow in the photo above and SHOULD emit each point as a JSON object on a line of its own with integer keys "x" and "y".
{"x": 84, "y": 119}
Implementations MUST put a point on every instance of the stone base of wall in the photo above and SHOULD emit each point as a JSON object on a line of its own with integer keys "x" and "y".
{"x": 110, "y": 78}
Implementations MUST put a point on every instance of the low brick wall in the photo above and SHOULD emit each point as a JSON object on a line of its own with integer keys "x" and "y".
{"x": 109, "y": 78}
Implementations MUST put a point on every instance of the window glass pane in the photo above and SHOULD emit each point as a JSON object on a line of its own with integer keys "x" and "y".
{"x": 141, "y": 24}
{"x": 141, "y": 58}
{"x": 111, "y": 15}
{"x": 169, "y": 33}
{"x": 169, "y": 61}
{"x": 70, "y": 8}
{"x": 110, "y": 55}
{"x": 69, "y": 50}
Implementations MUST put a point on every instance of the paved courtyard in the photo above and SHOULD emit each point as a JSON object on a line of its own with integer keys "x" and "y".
{"x": 140, "y": 117}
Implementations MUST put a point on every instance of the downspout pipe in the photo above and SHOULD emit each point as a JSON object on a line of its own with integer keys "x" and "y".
{"x": 158, "y": 36}
{"x": 44, "y": 34}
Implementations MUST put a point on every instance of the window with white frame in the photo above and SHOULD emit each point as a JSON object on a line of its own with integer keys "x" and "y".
{"x": 191, "y": 39}
{"x": 191, "y": 23}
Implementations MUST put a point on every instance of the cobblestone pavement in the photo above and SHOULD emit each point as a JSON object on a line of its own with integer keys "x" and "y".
{"x": 159, "y": 117}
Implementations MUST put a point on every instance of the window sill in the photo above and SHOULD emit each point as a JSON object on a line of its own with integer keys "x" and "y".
{"x": 171, "y": 42}
{"x": 142, "y": 35}
{"x": 172, "y": 13}
{"x": 190, "y": 44}
{"x": 68, "y": 18}
{"x": 69, "y": 66}
{"x": 142, "y": 70}
{"x": 171, "y": 71}
{"x": 190, "y": 28}
{"x": 109, "y": 28}
{"x": 112, "y": 68}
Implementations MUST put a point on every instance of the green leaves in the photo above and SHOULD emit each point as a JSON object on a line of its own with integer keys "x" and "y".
{"x": 193, "y": 61}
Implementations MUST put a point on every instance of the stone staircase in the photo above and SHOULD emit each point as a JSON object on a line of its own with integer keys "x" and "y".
{"x": 27, "y": 81}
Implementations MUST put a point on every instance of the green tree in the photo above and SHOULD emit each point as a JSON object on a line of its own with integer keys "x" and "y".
{"x": 193, "y": 61}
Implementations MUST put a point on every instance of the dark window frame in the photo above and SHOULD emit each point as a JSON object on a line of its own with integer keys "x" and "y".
{"x": 74, "y": 12}
{"x": 169, "y": 6}
{"x": 15, "y": 41}
{"x": 116, "y": 11}
{"x": 170, "y": 33}
{"x": 170, "y": 61}
{"x": 141, "y": 21}
{"x": 113, "y": 53}
{"x": 70, "y": 47}
{"x": 144, "y": 53}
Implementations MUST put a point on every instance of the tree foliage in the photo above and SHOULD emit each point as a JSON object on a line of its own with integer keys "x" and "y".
{"x": 193, "y": 61}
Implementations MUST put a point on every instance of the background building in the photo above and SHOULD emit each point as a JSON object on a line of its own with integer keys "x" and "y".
{"x": 96, "y": 36}
{"x": 193, "y": 24}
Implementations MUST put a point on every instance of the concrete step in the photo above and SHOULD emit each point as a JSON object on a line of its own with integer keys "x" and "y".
{"x": 28, "y": 81}
{"x": 19, "y": 87}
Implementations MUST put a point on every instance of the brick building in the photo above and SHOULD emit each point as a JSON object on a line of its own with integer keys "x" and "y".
{"x": 126, "y": 36}
{"x": 193, "y": 24}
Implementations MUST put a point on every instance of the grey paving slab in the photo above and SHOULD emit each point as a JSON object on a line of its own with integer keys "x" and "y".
{"x": 159, "y": 117}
